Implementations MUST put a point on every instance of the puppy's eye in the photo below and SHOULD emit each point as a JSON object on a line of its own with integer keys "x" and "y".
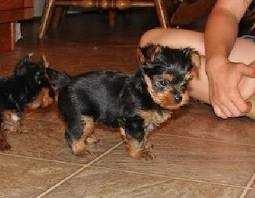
{"x": 162, "y": 84}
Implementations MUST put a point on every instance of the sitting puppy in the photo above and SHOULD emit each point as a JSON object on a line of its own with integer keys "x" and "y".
{"x": 135, "y": 103}
{"x": 17, "y": 91}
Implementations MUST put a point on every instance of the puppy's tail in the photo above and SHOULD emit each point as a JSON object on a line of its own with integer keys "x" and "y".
{"x": 57, "y": 80}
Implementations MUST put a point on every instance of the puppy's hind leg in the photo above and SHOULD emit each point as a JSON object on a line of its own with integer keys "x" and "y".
{"x": 74, "y": 133}
{"x": 70, "y": 111}
{"x": 78, "y": 127}
{"x": 80, "y": 133}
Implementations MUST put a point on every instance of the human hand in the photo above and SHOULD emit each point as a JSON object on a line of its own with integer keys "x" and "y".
{"x": 224, "y": 79}
{"x": 247, "y": 85}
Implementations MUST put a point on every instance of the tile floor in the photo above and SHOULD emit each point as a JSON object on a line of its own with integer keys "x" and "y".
{"x": 197, "y": 154}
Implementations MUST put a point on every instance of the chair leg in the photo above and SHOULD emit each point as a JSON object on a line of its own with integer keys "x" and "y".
{"x": 57, "y": 17}
{"x": 162, "y": 13}
{"x": 46, "y": 18}
{"x": 112, "y": 17}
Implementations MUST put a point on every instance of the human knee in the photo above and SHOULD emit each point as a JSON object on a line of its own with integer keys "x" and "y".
{"x": 151, "y": 36}
{"x": 175, "y": 38}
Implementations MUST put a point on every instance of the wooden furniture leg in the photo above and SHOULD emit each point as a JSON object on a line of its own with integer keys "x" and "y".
{"x": 112, "y": 5}
{"x": 57, "y": 16}
{"x": 112, "y": 17}
{"x": 46, "y": 18}
{"x": 162, "y": 13}
{"x": 7, "y": 36}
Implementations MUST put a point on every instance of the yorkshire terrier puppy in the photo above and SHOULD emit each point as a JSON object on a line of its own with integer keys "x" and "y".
{"x": 135, "y": 103}
{"x": 19, "y": 90}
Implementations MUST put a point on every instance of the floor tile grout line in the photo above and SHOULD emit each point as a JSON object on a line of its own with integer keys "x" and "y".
{"x": 248, "y": 186}
{"x": 147, "y": 186}
{"x": 40, "y": 159}
{"x": 155, "y": 175}
{"x": 78, "y": 171}
{"x": 178, "y": 178}
{"x": 209, "y": 139}
{"x": 81, "y": 164}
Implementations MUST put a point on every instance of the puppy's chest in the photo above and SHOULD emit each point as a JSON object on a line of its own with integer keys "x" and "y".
{"x": 153, "y": 118}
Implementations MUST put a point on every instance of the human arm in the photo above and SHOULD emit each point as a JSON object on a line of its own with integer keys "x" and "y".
{"x": 223, "y": 75}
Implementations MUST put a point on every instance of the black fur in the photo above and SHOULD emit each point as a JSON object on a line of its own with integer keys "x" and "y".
{"x": 114, "y": 98}
{"x": 22, "y": 86}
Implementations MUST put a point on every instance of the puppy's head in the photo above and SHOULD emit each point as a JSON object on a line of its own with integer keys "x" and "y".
{"x": 57, "y": 79}
{"x": 34, "y": 72}
{"x": 167, "y": 72}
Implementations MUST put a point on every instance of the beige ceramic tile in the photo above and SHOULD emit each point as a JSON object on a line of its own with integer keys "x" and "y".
{"x": 185, "y": 189}
{"x": 101, "y": 182}
{"x": 21, "y": 177}
{"x": 44, "y": 139}
{"x": 191, "y": 159}
{"x": 198, "y": 121}
{"x": 250, "y": 194}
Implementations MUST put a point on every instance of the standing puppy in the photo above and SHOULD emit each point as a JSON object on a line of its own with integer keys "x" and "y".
{"x": 135, "y": 103}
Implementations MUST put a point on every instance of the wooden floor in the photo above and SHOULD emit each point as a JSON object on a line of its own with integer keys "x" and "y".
{"x": 197, "y": 154}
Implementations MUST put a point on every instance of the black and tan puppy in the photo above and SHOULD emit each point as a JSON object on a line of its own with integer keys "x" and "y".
{"x": 135, "y": 103}
{"x": 17, "y": 91}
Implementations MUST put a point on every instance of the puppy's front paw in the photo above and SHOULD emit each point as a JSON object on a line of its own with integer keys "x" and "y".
{"x": 138, "y": 150}
{"x": 11, "y": 122}
{"x": 93, "y": 139}
{"x": 78, "y": 147}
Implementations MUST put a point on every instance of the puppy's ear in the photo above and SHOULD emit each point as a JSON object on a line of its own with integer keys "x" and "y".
{"x": 196, "y": 62}
{"x": 147, "y": 54}
{"x": 25, "y": 60}
{"x": 44, "y": 62}
{"x": 193, "y": 55}
{"x": 20, "y": 68}
{"x": 195, "y": 58}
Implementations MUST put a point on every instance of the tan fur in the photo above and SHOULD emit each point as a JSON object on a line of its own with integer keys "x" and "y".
{"x": 196, "y": 63}
{"x": 79, "y": 146}
{"x": 89, "y": 129}
{"x": 168, "y": 77}
{"x": 164, "y": 98}
{"x": 42, "y": 100}
{"x": 137, "y": 149}
{"x": 134, "y": 148}
{"x": 154, "y": 117}
{"x": 11, "y": 121}
{"x": 251, "y": 114}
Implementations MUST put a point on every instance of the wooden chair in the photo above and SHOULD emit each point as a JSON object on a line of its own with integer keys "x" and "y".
{"x": 10, "y": 12}
{"x": 110, "y": 5}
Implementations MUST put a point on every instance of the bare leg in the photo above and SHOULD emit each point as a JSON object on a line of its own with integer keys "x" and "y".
{"x": 244, "y": 51}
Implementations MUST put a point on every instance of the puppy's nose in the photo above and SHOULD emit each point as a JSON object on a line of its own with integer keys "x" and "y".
{"x": 177, "y": 98}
